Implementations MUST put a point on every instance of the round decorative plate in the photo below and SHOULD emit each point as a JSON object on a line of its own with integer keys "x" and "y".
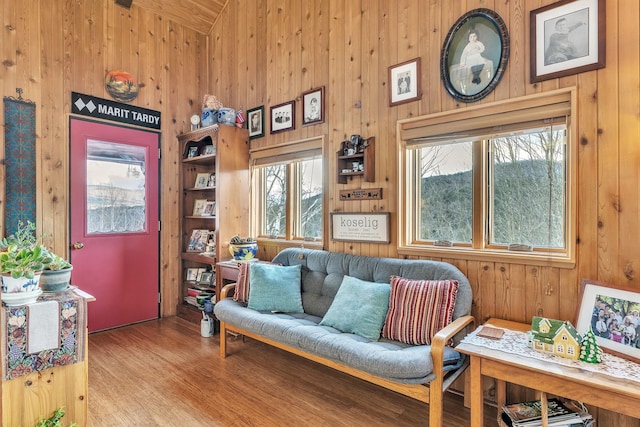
{"x": 121, "y": 85}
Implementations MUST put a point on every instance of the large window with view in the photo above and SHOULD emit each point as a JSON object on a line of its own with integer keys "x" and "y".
{"x": 485, "y": 189}
{"x": 288, "y": 194}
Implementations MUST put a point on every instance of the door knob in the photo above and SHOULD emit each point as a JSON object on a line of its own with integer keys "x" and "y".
{"x": 77, "y": 245}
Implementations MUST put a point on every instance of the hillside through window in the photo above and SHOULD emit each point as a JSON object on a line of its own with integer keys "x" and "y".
{"x": 490, "y": 183}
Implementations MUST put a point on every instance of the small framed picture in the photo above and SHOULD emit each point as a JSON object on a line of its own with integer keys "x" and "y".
{"x": 313, "y": 107}
{"x": 212, "y": 180}
{"x": 613, "y": 313}
{"x": 209, "y": 150}
{"x": 193, "y": 152}
{"x": 209, "y": 208}
{"x": 404, "y": 82}
{"x": 198, "y": 240}
{"x": 283, "y": 117}
{"x": 202, "y": 180}
{"x": 474, "y": 55}
{"x": 206, "y": 278}
{"x": 199, "y": 274}
{"x": 192, "y": 274}
{"x": 198, "y": 207}
{"x": 255, "y": 118}
{"x": 567, "y": 37}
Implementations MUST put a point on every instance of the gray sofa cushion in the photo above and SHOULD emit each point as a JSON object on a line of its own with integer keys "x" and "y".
{"x": 322, "y": 274}
{"x": 384, "y": 358}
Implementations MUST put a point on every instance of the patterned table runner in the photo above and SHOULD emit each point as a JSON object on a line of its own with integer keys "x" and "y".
{"x": 71, "y": 327}
{"x": 515, "y": 342}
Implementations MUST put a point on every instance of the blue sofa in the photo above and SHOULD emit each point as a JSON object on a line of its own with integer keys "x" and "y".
{"x": 422, "y": 372}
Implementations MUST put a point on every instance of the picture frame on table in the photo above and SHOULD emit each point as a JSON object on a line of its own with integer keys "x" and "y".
{"x": 598, "y": 300}
{"x": 202, "y": 180}
{"x": 283, "y": 117}
{"x": 313, "y": 106}
{"x": 198, "y": 207}
{"x": 255, "y": 119}
{"x": 404, "y": 82}
{"x": 474, "y": 55}
{"x": 198, "y": 240}
{"x": 567, "y": 37}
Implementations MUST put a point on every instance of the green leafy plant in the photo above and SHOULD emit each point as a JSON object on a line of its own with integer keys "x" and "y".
{"x": 54, "y": 420}
{"x": 57, "y": 263}
{"x": 21, "y": 254}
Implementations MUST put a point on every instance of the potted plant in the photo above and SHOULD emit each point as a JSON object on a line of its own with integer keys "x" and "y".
{"x": 243, "y": 248}
{"x": 22, "y": 260}
{"x": 56, "y": 276}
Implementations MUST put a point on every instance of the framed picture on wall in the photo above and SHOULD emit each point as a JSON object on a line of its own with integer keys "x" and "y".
{"x": 567, "y": 37}
{"x": 313, "y": 107}
{"x": 474, "y": 55}
{"x": 255, "y": 118}
{"x": 404, "y": 82}
{"x": 283, "y": 117}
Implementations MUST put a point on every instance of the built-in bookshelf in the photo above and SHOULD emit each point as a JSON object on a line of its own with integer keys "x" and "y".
{"x": 214, "y": 165}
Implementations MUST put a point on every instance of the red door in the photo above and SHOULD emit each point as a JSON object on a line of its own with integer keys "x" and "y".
{"x": 114, "y": 221}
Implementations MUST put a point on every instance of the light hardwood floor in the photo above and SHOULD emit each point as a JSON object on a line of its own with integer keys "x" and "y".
{"x": 162, "y": 373}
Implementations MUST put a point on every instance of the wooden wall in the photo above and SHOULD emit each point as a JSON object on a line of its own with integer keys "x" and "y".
{"x": 285, "y": 47}
{"x": 51, "y": 48}
{"x": 264, "y": 52}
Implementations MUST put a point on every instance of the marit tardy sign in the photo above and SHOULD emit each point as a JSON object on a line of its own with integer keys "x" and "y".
{"x": 105, "y": 109}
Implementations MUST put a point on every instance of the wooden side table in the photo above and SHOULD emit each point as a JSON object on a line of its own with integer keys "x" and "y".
{"x": 226, "y": 272}
{"x": 603, "y": 391}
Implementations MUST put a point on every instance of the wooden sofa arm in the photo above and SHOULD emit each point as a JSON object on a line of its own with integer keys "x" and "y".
{"x": 227, "y": 290}
{"x": 444, "y": 335}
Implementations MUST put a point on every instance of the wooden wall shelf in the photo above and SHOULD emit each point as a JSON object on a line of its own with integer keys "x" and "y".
{"x": 365, "y": 158}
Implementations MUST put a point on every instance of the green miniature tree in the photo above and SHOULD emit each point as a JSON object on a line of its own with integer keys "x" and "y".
{"x": 590, "y": 352}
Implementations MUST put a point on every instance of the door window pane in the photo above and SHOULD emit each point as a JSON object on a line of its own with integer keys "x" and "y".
{"x": 116, "y": 188}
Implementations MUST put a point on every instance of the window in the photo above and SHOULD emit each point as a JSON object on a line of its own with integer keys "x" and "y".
{"x": 491, "y": 181}
{"x": 288, "y": 191}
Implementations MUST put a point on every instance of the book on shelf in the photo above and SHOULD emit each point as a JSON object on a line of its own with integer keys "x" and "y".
{"x": 560, "y": 414}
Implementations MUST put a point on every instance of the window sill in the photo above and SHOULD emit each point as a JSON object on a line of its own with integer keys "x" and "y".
{"x": 488, "y": 255}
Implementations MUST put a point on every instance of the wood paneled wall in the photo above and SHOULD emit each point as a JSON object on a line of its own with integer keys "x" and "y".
{"x": 265, "y": 52}
{"x": 285, "y": 47}
{"x": 51, "y": 48}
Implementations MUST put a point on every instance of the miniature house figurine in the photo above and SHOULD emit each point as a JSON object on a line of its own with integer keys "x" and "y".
{"x": 555, "y": 336}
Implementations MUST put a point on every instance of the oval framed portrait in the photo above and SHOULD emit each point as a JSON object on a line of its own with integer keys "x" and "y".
{"x": 474, "y": 55}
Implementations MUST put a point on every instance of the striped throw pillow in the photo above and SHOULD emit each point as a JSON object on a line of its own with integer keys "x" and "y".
{"x": 241, "y": 293}
{"x": 418, "y": 309}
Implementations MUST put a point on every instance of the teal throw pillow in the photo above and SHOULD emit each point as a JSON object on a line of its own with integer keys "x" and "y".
{"x": 359, "y": 307}
{"x": 275, "y": 288}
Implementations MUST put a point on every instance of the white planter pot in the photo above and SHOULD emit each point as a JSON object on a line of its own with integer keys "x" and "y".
{"x": 21, "y": 284}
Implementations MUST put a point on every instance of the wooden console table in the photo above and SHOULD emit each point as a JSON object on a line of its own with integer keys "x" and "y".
{"x": 600, "y": 390}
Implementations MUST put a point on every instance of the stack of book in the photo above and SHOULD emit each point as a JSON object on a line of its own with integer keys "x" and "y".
{"x": 560, "y": 414}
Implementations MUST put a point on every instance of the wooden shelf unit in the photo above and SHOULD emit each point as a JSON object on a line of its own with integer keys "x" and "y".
{"x": 230, "y": 164}
{"x": 366, "y": 157}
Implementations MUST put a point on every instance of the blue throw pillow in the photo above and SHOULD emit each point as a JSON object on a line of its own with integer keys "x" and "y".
{"x": 275, "y": 288}
{"x": 359, "y": 307}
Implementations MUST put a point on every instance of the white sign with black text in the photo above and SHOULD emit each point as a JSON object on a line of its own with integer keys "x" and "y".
{"x": 360, "y": 227}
